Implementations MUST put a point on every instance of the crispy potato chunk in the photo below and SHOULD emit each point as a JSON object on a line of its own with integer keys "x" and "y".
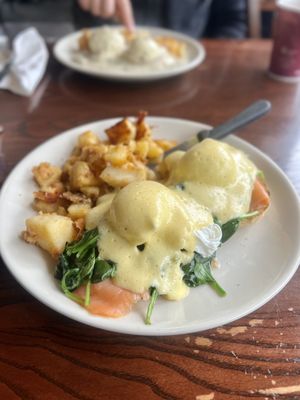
{"x": 117, "y": 155}
{"x": 154, "y": 151}
{"x": 95, "y": 157}
{"x": 46, "y": 174}
{"x": 49, "y": 231}
{"x": 120, "y": 177}
{"x": 76, "y": 198}
{"x": 87, "y": 138}
{"x": 77, "y": 211}
{"x": 47, "y": 197}
{"x": 122, "y": 132}
{"x": 81, "y": 176}
{"x": 44, "y": 207}
{"x": 79, "y": 225}
{"x": 142, "y": 149}
{"x": 143, "y": 130}
{"x": 92, "y": 153}
{"x": 92, "y": 192}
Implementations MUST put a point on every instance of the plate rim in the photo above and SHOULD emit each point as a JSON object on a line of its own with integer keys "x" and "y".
{"x": 142, "y": 330}
{"x": 123, "y": 77}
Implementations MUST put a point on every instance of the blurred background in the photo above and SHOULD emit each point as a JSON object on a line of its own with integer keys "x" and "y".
{"x": 54, "y": 19}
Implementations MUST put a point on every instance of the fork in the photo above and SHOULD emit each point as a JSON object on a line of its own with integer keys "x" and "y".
{"x": 253, "y": 112}
{"x": 249, "y": 114}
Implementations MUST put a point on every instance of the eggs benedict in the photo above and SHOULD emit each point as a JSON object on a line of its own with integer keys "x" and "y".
{"x": 150, "y": 242}
{"x": 143, "y": 225}
{"x": 217, "y": 176}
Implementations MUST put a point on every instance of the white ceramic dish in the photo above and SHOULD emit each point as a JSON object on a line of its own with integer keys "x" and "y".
{"x": 65, "y": 48}
{"x": 256, "y": 263}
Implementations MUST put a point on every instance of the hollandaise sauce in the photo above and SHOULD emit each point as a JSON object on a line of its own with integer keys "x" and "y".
{"x": 149, "y": 232}
{"x": 216, "y": 175}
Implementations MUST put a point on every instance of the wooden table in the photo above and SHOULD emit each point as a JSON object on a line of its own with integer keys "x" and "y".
{"x": 43, "y": 355}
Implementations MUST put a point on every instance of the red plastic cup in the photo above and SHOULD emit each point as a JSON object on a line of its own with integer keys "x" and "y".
{"x": 285, "y": 59}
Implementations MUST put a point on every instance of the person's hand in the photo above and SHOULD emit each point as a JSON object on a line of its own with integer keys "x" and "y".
{"x": 120, "y": 9}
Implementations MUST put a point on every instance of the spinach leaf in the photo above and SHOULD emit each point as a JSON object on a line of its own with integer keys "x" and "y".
{"x": 81, "y": 247}
{"x": 69, "y": 282}
{"x": 79, "y": 264}
{"x": 62, "y": 267}
{"x": 231, "y": 226}
{"x": 198, "y": 272}
{"x": 87, "y": 264}
{"x": 87, "y": 298}
{"x": 229, "y": 229}
{"x": 103, "y": 269}
{"x": 153, "y": 297}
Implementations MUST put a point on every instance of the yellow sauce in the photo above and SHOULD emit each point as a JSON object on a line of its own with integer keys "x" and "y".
{"x": 149, "y": 229}
{"x": 159, "y": 221}
{"x": 216, "y": 175}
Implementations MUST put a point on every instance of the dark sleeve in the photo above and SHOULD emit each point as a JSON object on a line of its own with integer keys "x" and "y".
{"x": 228, "y": 19}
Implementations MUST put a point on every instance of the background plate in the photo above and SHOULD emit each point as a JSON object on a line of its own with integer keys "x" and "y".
{"x": 65, "y": 47}
{"x": 255, "y": 264}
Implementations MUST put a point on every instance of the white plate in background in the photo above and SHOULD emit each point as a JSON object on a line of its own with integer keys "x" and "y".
{"x": 66, "y": 47}
{"x": 256, "y": 263}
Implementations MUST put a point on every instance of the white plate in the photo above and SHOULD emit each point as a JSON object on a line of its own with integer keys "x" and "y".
{"x": 256, "y": 263}
{"x": 64, "y": 52}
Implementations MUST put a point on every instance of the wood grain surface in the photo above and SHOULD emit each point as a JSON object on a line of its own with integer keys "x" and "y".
{"x": 44, "y": 355}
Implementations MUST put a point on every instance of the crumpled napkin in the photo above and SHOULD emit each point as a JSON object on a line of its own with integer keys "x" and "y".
{"x": 29, "y": 59}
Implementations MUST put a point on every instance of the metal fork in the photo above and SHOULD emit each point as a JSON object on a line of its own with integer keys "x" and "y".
{"x": 245, "y": 117}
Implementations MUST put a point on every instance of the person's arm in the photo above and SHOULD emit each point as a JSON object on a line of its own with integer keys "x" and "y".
{"x": 121, "y": 9}
{"x": 228, "y": 19}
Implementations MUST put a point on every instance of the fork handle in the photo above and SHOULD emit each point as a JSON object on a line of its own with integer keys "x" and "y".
{"x": 251, "y": 113}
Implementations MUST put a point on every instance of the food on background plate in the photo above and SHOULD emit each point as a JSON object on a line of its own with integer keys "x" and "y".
{"x": 114, "y": 48}
{"x": 121, "y": 233}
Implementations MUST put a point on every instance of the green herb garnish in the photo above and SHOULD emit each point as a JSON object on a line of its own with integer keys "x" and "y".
{"x": 153, "y": 297}
{"x": 198, "y": 272}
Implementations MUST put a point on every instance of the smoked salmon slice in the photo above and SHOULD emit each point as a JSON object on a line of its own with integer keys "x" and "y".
{"x": 109, "y": 300}
{"x": 260, "y": 199}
